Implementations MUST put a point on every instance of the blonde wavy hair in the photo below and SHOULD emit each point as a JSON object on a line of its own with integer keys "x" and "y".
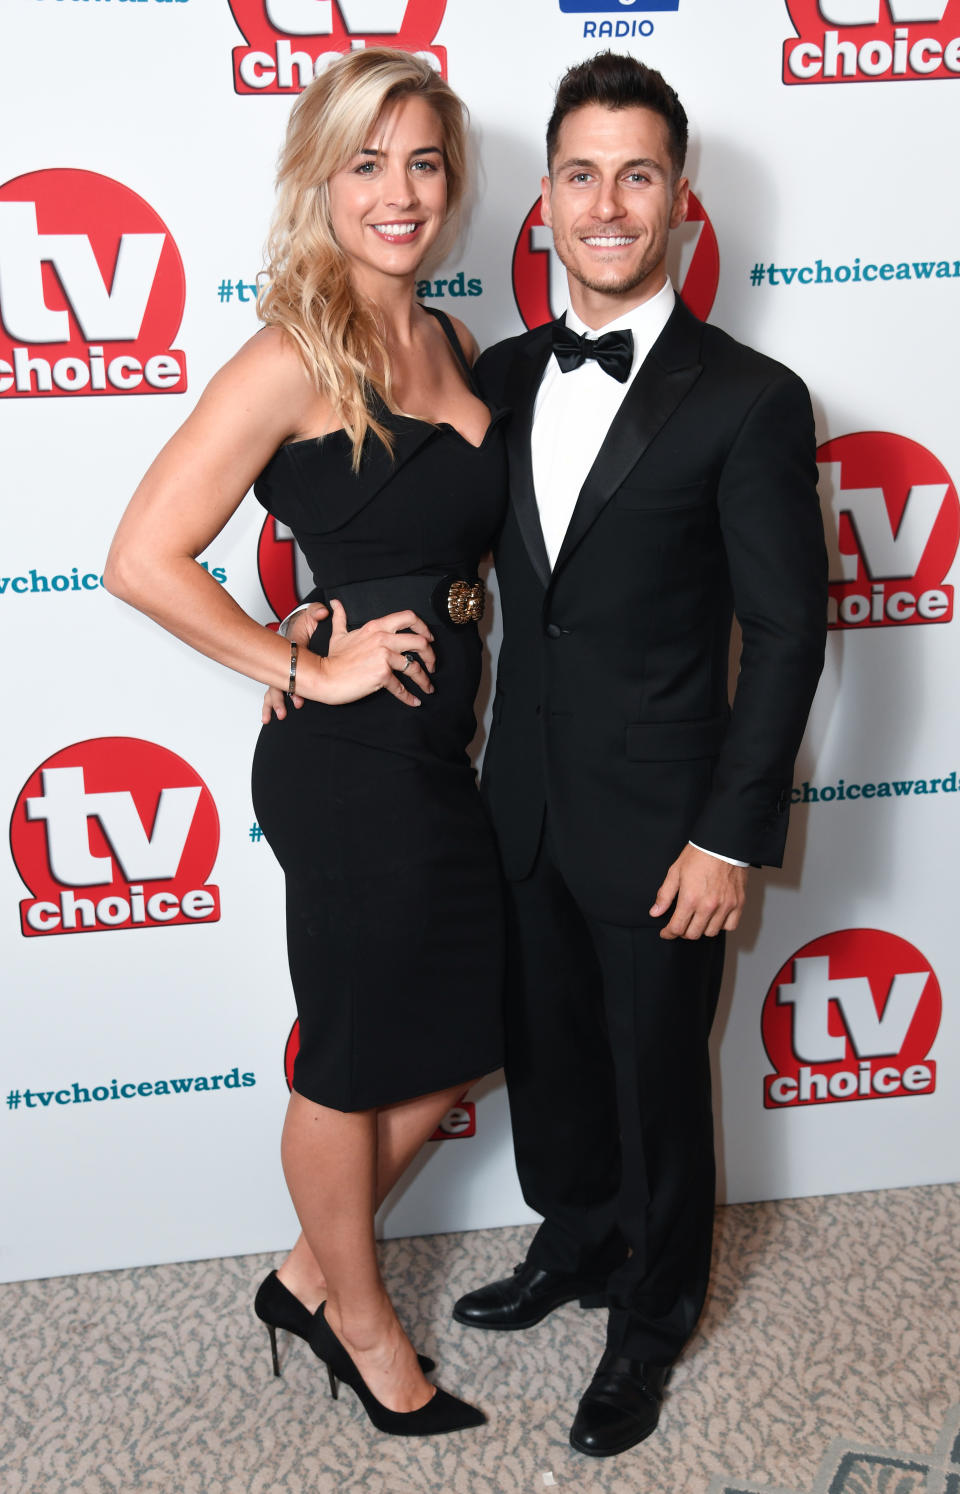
{"x": 306, "y": 286}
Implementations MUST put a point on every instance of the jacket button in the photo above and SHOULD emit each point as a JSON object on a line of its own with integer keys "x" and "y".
{"x": 553, "y": 631}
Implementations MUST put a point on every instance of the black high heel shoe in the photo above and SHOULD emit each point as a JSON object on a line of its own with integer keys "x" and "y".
{"x": 277, "y": 1307}
{"x": 442, "y": 1413}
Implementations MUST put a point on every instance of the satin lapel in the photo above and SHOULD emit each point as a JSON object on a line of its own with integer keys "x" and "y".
{"x": 664, "y": 378}
{"x": 521, "y": 395}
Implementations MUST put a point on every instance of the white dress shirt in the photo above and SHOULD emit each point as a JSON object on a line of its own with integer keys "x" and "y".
{"x": 572, "y": 415}
{"x": 574, "y": 411}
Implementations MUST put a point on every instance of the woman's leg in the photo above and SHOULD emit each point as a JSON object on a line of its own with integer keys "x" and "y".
{"x": 401, "y": 1131}
{"x": 338, "y": 1166}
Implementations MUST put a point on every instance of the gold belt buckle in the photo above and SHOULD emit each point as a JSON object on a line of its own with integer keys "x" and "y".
{"x": 465, "y": 601}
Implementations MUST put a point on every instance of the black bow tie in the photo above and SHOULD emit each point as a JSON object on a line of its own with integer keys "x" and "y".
{"x": 613, "y": 351}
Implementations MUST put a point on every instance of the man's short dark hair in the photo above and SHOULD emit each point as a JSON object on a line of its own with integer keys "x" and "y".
{"x": 619, "y": 82}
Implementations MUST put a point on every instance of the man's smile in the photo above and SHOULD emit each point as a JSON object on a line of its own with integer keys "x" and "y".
{"x": 609, "y": 240}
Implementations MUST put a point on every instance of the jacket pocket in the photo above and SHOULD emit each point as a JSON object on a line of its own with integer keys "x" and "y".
{"x": 636, "y": 495}
{"x": 675, "y": 741}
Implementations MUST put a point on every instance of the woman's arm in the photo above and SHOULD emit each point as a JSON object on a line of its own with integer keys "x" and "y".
{"x": 196, "y": 484}
{"x": 190, "y": 492}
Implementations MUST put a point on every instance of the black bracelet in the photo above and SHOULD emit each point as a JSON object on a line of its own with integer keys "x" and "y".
{"x": 292, "y": 682}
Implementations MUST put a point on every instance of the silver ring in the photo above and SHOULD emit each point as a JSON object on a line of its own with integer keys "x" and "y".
{"x": 406, "y": 666}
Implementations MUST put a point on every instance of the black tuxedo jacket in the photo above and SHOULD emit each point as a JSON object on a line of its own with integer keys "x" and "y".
{"x": 611, "y": 707}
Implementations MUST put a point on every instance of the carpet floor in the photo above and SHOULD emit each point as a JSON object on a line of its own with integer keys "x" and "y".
{"x": 827, "y": 1362}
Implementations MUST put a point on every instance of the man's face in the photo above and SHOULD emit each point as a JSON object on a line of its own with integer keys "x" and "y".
{"x": 611, "y": 201}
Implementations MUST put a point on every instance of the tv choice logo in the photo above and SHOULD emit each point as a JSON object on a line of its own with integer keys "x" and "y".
{"x": 459, "y": 1122}
{"x": 892, "y": 521}
{"x": 91, "y": 289}
{"x": 289, "y": 42}
{"x": 115, "y": 833}
{"x": 872, "y": 41}
{"x": 540, "y": 280}
{"x": 851, "y": 1016}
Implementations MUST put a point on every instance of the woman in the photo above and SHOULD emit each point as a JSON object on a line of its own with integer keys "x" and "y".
{"x": 366, "y": 793}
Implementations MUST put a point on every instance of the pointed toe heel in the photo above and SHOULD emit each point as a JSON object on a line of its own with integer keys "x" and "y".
{"x": 442, "y": 1413}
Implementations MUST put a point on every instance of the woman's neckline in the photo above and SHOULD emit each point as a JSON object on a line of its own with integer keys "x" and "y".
{"x": 441, "y": 425}
{"x": 434, "y": 425}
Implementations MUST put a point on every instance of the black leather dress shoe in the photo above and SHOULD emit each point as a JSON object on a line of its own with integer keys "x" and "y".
{"x": 525, "y": 1298}
{"x": 620, "y": 1407}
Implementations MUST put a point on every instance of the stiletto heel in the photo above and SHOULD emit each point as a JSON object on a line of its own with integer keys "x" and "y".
{"x": 277, "y": 1307}
{"x": 271, "y": 1329}
{"x": 442, "y": 1413}
{"x": 334, "y": 1383}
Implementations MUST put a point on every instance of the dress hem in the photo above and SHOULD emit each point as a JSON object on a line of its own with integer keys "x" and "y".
{"x": 475, "y": 1076}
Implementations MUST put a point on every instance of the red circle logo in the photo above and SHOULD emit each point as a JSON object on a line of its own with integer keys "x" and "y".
{"x": 115, "y": 833}
{"x": 540, "y": 280}
{"x": 282, "y": 567}
{"x": 892, "y": 521}
{"x": 91, "y": 289}
{"x": 851, "y": 1016}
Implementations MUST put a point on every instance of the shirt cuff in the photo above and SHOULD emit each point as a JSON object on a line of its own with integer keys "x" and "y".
{"x": 282, "y": 627}
{"x": 730, "y": 860}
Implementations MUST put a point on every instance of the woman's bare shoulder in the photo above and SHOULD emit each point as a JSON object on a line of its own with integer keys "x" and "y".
{"x": 273, "y": 355}
{"x": 267, "y": 375}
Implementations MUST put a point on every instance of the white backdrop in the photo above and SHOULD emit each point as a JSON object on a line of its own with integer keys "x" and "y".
{"x": 826, "y": 235}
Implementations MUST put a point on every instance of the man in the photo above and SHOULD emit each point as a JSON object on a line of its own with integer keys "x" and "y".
{"x": 662, "y": 478}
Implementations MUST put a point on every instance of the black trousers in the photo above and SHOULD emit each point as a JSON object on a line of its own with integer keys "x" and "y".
{"x": 608, "y": 1077}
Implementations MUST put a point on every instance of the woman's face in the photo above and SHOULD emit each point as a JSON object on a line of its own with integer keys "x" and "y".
{"x": 390, "y": 201}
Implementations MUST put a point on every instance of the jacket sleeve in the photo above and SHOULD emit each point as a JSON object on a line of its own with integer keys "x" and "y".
{"x": 773, "y": 537}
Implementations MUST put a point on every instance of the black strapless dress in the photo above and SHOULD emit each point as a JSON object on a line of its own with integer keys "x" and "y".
{"x": 394, "y": 921}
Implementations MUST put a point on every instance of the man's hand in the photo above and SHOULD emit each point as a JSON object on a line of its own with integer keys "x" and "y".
{"x": 709, "y": 895}
{"x": 300, "y": 629}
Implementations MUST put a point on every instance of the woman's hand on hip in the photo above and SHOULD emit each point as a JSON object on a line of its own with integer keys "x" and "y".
{"x": 362, "y": 661}
{"x": 370, "y": 658}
